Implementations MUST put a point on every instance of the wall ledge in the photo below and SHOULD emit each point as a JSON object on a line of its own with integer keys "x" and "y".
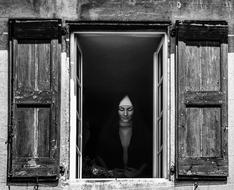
{"x": 121, "y": 183}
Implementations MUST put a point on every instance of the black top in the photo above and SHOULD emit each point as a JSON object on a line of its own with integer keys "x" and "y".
{"x": 110, "y": 150}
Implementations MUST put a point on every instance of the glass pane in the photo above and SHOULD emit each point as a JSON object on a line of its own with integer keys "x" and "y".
{"x": 160, "y": 99}
{"x": 161, "y": 163}
{"x": 161, "y": 131}
{"x": 161, "y": 95}
{"x": 78, "y": 64}
{"x": 160, "y": 64}
{"x": 159, "y": 108}
{"x": 159, "y": 134}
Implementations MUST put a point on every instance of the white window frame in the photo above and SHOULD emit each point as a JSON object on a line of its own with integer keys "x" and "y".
{"x": 162, "y": 45}
{"x": 166, "y": 103}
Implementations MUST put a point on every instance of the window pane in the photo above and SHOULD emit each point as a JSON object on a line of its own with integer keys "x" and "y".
{"x": 161, "y": 163}
{"x": 159, "y": 108}
{"x": 161, "y": 131}
{"x": 160, "y": 66}
{"x": 160, "y": 99}
{"x": 161, "y": 95}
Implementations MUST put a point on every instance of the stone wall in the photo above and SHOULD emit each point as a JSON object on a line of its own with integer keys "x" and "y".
{"x": 111, "y": 10}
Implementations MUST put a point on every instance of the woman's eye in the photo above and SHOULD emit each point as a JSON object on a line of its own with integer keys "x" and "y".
{"x": 130, "y": 109}
{"x": 121, "y": 109}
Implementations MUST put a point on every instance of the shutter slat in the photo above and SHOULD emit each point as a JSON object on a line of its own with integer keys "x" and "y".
{"x": 201, "y": 146}
{"x": 30, "y": 97}
{"x": 35, "y": 29}
{"x": 203, "y": 98}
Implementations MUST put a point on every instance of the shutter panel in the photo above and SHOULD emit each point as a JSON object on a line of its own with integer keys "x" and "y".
{"x": 201, "y": 146}
{"x": 34, "y": 108}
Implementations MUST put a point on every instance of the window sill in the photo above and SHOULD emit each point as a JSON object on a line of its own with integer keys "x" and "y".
{"x": 121, "y": 183}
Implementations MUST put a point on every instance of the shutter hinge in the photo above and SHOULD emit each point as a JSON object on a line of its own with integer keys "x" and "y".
{"x": 36, "y": 186}
{"x": 61, "y": 170}
{"x": 195, "y": 185}
{"x": 173, "y": 32}
{"x": 10, "y": 135}
{"x": 172, "y": 170}
{"x": 64, "y": 30}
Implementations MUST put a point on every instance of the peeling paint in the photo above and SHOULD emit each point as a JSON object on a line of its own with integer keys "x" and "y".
{"x": 35, "y": 133}
{"x": 94, "y": 13}
{"x": 30, "y": 164}
{"x": 119, "y": 9}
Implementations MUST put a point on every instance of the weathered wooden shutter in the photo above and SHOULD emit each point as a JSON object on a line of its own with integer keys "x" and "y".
{"x": 34, "y": 99}
{"x": 202, "y": 103}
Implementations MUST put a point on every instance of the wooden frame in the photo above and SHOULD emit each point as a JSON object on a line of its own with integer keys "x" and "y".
{"x": 166, "y": 136}
{"x": 209, "y": 162}
{"x": 162, "y": 46}
{"x": 48, "y": 100}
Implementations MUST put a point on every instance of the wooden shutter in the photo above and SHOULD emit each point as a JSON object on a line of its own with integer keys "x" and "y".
{"x": 34, "y": 99}
{"x": 202, "y": 104}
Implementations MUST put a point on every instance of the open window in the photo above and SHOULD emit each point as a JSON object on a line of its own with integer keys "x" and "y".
{"x": 107, "y": 66}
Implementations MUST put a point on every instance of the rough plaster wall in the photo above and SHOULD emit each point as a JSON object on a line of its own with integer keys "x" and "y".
{"x": 122, "y": 10}
{"x": 231, "y": 116}
{"x": 155, "y": 9}
{"x": 39, "y": 8}
{"x": 64, "y": 125}
{"x": 3, "y": 113}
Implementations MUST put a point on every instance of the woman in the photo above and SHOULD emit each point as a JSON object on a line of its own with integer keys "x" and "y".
{"x": 124, "y": 146}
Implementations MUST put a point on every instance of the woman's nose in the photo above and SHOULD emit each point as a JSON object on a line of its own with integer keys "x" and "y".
{"x": 125, "y": 112}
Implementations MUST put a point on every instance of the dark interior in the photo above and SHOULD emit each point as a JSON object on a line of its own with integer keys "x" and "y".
{"x": 115, "y": 65}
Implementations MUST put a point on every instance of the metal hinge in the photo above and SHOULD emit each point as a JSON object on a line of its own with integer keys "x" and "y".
{"x": 36, "y": 186}
{"x": 10, "y": 135}
{"x": 64, "y": 30}
{"x": 195, "y": 185}
{"x": 172, "y": 170}
{"x": 62, "y": 170}
{"x": 172, "y": 32}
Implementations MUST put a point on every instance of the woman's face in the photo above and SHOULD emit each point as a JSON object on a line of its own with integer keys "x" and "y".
{"x": 125, "y": 113}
